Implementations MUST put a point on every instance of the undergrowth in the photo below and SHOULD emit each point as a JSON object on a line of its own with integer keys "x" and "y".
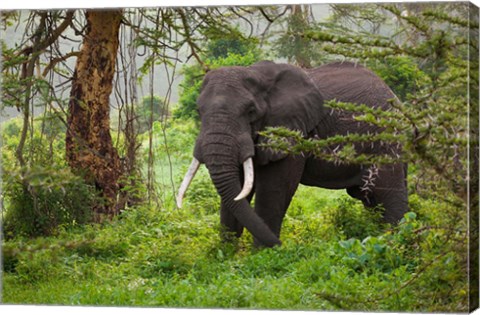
{"x": 175, "y": 258}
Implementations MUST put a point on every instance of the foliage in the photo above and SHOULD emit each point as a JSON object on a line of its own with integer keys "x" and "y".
{"x": 352, "y": 220}
{"x": 42, "y": 197}
{"x": 291, "y": 43}
{"x": 174, "y": 258}
{"x": 54, "y": 198}
{"x": 234, "y": 51}
{"x": 45, "y": 146}
{"x": 221, "y": 45}
{"x": 190, "y": 86}
{"x": 139, "y": 117}
{"x": 401, "y": 73}
{"x": 149, "y": 110}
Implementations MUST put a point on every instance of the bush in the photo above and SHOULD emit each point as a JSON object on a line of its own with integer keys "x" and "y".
{"x": 44, "y": 199}
{"x": 353, "y": 220}
{"x": 150, "y": 110}
{"x": 44, "y": 195}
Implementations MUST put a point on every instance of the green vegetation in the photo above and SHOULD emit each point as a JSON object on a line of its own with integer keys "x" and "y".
{"x": 149, "y": 110}
{"x": 336, "y": 255}
{"x": 221, "y": 52}
{"x": 172, "y": 257}
{"x": 401, "y": 73}
{"x": 55, "y": 197}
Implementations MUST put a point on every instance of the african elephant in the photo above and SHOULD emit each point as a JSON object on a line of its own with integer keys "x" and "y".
{"x": 236, "y": 103}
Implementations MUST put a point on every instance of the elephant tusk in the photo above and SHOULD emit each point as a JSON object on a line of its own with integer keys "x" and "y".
{"x": 187, "y": 180}
{"x": 248, "y": 181}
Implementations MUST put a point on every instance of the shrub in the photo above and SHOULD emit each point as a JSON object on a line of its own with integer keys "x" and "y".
{"x": 150, "y": 110}
{"x": 44, "y": 199}
{"x": 353, "y": 220}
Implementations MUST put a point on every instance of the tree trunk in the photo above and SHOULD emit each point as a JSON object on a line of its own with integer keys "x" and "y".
{"x": 89, "y": 147}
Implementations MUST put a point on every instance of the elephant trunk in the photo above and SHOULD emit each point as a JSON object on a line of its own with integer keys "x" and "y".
{"x": 225, "y": 174}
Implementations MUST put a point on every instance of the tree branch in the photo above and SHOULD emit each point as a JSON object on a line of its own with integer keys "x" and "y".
{"x": 189, "y": 41}
{"x": 40, "y": 46}
{"x": 54, "y": 61}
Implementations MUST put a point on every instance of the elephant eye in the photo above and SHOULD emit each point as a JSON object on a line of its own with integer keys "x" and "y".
{"x": 252, "y": 114}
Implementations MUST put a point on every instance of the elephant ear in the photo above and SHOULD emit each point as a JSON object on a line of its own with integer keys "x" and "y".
{"x": 294, "y": 102}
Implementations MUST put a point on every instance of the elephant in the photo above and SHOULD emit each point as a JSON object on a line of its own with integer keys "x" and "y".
{"x": 237, "y": 102}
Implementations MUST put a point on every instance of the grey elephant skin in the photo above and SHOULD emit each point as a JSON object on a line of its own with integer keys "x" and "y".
{"x": 236, "y": 103}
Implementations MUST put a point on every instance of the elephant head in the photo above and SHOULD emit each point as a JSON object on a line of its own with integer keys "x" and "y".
{"x": 236, "y": 103}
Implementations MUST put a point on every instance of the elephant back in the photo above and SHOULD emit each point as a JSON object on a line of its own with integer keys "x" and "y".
{"x": 353, "y": 83}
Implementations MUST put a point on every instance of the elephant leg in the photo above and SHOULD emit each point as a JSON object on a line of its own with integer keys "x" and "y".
{"x": 276, "y": 184}
{"x": 231, "y": 228}
{"x": 390, "y": 191}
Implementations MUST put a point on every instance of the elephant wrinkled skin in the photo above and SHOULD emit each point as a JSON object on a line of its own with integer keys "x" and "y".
{"x": 236, "y": 103}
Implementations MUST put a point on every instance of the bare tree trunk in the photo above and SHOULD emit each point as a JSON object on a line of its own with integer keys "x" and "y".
{"x": 89, "y": 146}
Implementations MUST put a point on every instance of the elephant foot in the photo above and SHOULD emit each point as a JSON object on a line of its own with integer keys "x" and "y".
{"x": 258, "y": 245}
